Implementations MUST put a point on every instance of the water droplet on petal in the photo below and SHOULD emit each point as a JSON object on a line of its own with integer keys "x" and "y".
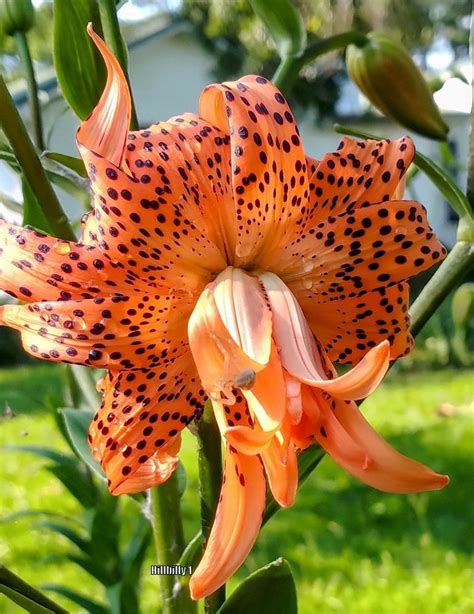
{"x": 62, "y": 247}
{"x": 307, "y": 284}
{"x": 79, "y": 324}
{"x": 100, "y": 385}
{"x": 308, "y": 266}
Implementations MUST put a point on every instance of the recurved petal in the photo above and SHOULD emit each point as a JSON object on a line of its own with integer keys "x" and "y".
{"x": 348, "y": 255}
{"x": 269, "y": 171}
{"x": 281, "y": 468}
{"x": 362, "y": 379}
{"x": 353, "y": 444}
{"x": 298, "y": 352}
{"x": 244, "y": 312}
{"x": 223, "y": 357}
{"x": 115, "y": 332}
{"x": 266, "y": 398}
{"x": 348, "y": 329}
{"x": 147, "y": 211}
{"x": 105, "y": 130}
{"x": 236, "y": 525}
{"x": 152, "y": 472}
{"x": 358, "y": 172}
{"x": 305, "y": 361}
{"x": 141, "y": 415}
{"x": 36, "y": 267}
{"x": 238, "y": 427}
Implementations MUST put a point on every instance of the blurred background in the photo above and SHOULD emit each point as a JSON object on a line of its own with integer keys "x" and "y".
{"x": 352, "y": 550}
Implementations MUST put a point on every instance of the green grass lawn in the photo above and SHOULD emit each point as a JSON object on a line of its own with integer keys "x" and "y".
{"x": 352, "y": 550}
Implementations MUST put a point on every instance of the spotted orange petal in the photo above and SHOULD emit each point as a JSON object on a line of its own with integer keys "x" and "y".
{"x": 158, "y": 231}
{"x": 269, "y": 173}
{"x": 111, "y": 332}
{"x": 35, "y": 267}
{"x": 192, "y": 158}
{"x": 142, "y": 413}
{"x": 349, "y": 328}
{"x": 358, "y": 172}
{"x": 369, "y": 248}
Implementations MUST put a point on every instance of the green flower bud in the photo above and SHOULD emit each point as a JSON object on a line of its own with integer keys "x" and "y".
{"x": 384, "y": 71}
{"x": 16, "y": 16}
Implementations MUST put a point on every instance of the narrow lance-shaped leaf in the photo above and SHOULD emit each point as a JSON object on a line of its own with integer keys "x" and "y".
{"x": 284, "y": 23}
{"x": 269, "y": 590}
{"x": 80, "y": 71}
{"x": 77, "y": 424}
{"x": 25, "y": 595}
{"x": 74, "y": 164}
{"x": 81, "y": 600}
{"x": 33, "y": 215}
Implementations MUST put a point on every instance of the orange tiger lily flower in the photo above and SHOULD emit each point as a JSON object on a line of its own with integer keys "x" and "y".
{"x": 219, "y": 262}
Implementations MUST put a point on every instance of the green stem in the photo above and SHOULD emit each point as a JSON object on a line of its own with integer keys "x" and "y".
{"x": 332, "y": 43}
{"x": 470, "y": 171}
{"x": 287, "y": 72}
{"x": 290, "y": 66}
{"x": 114, "y": 39}
{"x": 458, "y": 263}
{"x": 210, "y": 483}
{"x": 24, "y": 595}
{"x": 25, "y": 153}
{"x": 169, "y": 541}
{"x": 33, "y": 100}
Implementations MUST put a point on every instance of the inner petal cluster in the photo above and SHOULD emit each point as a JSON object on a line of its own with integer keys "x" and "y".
{"x": 250, "y": 340}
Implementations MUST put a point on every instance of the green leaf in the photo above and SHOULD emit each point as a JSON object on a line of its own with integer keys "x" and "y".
{"x": 25, "y": 595}
{"x": 132, "y": 562}
{"x": 77, "y": 425}
{"x": 92, "y": 607}
{"x": 33, "y": 214}
{"x": 24, "y": 602}
{"x": 190, "y": 557}
{"x": 70, "y": 162}
{"x": 269, "y": 590}
{"x": 80, "y": 71}
{"x": 86, "y": 380}
{"x": 33, "y": 514}
{"x": 77, "y": 482}
{"x": 94, "y": 567}
{"x": 104, "y": 531}
{"x": 435, "y": 173}
{"x": 49, "y": 453}
{"x": 69, "y": 181}
{"x": 58, "y": 172}
{"x": 67, "y": 532}
{"x": 285, "y": 24}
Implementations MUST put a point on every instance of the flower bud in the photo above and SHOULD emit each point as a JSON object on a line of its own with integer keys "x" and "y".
{"x": 16, "y": 16}
{"x": 384, "y": 71}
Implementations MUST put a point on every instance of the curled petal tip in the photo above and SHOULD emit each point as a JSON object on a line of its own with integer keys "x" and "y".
{"x": 441, "y": 481}
{"x": 105, "y": 130}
